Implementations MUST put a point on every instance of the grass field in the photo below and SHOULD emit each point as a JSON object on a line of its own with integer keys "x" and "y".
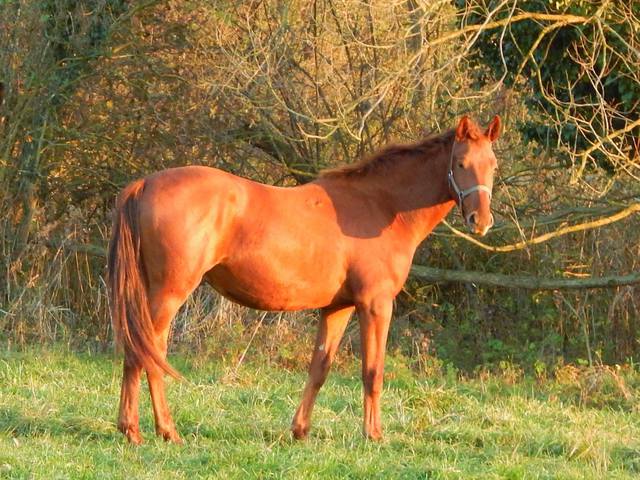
{"x": 57, "y": 412}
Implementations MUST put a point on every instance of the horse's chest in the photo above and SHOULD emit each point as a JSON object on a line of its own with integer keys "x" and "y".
{"x": 383, "y": 271}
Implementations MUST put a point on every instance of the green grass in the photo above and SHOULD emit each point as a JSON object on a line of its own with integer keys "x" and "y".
{"x": 57, "y": 412}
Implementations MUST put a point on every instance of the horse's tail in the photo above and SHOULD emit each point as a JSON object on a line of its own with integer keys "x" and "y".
{"x": 130, "y": 314}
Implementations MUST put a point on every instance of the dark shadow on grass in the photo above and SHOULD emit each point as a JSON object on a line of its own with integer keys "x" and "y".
{"x": 14, "y": 422}
{"x": 628, "y": 457}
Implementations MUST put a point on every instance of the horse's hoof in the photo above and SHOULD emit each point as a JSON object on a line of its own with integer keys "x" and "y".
{"x": 135, "y": 438}
{"x": 300, "y": 432}
{"x": 170, "y": 436}
{"x": 132, "y": 434}
{"x": 374, "y": 435}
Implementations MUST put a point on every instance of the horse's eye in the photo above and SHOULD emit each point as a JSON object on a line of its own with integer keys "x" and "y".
{"x": 460, "y": 165}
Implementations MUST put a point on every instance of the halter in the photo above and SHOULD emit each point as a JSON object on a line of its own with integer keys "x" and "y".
{"x": 462, "y": 194}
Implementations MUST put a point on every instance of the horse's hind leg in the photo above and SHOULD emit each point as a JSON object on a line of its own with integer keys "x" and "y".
{"x": 163, "y": 308}
{"x": 330, "y": 331}
{"x": 128, "y": 419}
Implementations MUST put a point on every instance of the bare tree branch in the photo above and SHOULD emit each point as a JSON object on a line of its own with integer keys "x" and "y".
{"x": 548, "y": 236}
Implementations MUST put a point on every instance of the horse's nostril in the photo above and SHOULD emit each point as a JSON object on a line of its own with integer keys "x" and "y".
{"x": 471, "y": 219}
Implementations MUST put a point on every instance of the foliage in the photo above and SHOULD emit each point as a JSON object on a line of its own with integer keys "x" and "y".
{"x": 96, "y": 93}
{"x": 582, "y": 63}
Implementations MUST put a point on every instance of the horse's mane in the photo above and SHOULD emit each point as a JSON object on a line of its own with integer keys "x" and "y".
{"x": 388, "y": 155}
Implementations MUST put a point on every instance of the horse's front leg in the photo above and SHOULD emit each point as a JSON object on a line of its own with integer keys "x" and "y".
{"x": 330, "y": 331}
{"x": 374, "y": 316}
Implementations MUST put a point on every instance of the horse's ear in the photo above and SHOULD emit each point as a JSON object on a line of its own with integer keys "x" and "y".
{"x": 493, "y": 130}
{"x": 466, "y": 129}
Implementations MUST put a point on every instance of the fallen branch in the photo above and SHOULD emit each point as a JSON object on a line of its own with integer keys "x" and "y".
{"x": 437, "y": 275}
{"x": 76, "y": 247}
{"x": 527, "y": 282}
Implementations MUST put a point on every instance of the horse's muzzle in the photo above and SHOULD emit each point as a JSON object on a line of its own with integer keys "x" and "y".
{"x": 478, "y": 227}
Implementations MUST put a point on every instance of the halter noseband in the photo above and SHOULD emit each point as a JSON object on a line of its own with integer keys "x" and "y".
{"x": 462, "y": 194}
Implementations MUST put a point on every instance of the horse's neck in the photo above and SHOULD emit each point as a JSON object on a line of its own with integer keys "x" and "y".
{"x": 419, "y": 193}
{"x": 422, "y": 222}
{"x": 413, "y": 190}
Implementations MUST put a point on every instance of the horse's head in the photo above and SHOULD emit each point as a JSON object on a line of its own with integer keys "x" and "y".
{"x": 471, "y": 168}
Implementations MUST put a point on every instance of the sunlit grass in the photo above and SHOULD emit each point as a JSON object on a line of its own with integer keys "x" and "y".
{"x": 57, "y": 412}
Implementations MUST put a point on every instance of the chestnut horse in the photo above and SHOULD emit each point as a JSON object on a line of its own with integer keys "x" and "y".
{"x": 341, "y": 243}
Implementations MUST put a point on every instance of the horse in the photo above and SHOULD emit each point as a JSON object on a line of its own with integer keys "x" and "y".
{"x": 341, "y": 243}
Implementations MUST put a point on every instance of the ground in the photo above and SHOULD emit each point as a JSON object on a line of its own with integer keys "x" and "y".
{"x": 58, "y": 409}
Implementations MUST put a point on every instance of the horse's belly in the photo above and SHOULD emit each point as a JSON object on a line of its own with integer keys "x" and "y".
{"x": 265, "y": 287}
